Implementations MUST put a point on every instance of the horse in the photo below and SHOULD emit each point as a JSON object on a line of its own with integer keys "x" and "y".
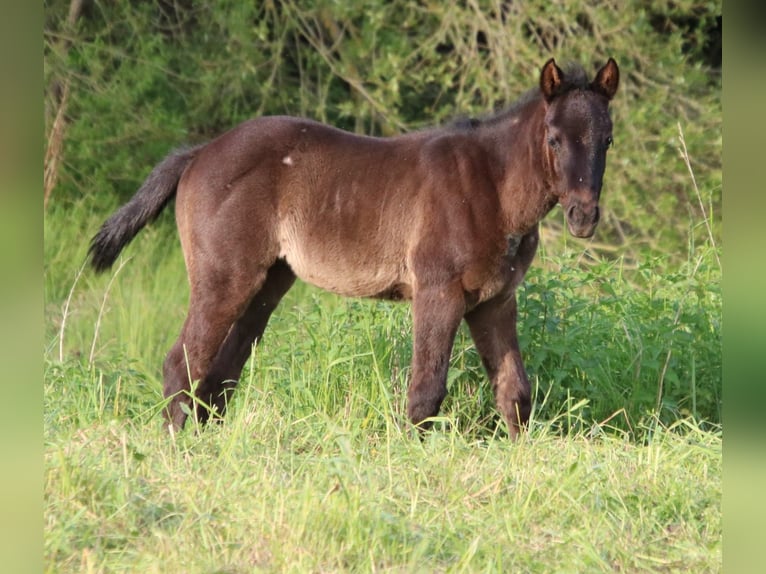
{"x": 444, "y": 217}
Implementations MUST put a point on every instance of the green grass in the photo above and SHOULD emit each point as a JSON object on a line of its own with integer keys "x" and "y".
{"x": 316, "y": 467}
{"x": 281, "y": 488}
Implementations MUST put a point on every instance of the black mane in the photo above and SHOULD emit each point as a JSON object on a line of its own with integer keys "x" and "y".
{"x": 575, "y": 79}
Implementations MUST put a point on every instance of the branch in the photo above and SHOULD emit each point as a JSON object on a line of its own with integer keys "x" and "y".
{"x": 56, "y": 135}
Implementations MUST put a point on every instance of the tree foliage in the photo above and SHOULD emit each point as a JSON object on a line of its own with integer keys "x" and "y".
{"x": 146, "y": 77}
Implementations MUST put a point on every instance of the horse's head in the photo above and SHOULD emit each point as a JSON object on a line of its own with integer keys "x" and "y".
{"x": 578, "y": 131}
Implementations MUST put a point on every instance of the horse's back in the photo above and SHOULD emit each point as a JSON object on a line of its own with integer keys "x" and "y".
{"x": 356, "y": 215}
{"x": 338, "y": 207}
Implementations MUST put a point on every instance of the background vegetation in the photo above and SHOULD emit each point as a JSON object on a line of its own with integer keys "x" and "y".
{"x": 145, "y": 77}
{"x": 315, "y": 469}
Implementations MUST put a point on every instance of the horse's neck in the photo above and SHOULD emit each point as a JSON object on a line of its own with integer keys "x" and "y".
{"x": 523, "y": 177}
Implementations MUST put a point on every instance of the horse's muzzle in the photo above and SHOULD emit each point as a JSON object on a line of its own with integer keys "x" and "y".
{"x": 582, "y": 218}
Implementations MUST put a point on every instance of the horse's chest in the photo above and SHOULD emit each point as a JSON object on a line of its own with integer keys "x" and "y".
{"x": 502, "y": 276}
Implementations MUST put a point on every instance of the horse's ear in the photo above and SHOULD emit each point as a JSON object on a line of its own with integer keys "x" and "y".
{"x": 607, "y": 79}
{"x": 551, "y": 79}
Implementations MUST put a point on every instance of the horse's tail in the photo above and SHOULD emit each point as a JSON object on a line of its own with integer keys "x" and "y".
{"x": 151, "y": 198}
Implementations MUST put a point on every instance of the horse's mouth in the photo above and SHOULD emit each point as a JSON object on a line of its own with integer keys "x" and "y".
{"x": 582, "y": 222}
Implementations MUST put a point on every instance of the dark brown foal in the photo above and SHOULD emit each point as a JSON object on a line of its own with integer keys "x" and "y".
{"x": 447, "y": 218}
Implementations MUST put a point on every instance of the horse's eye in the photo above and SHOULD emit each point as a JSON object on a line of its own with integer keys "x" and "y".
{"x": 609, "y": 142}
{"x": 553, "y": 142}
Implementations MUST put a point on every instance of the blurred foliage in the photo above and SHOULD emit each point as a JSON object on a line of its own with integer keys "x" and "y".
{"x": 146, "y": 77}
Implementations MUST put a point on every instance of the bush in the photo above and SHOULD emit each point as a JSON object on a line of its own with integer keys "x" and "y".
{"x": 148, "y": 77}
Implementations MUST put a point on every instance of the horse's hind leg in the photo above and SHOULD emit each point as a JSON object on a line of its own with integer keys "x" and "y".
{"x": 218, "y": 298}
{"x": 225, "y": 369}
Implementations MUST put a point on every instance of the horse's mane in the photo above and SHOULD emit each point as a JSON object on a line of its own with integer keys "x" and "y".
{"x": 575, "y": 78}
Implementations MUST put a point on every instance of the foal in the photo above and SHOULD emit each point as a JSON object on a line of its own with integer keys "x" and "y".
{"x": 447, "y": 218}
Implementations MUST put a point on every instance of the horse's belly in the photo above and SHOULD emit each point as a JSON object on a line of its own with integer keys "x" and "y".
{"x": 355, "y": 270}
{"x": 349, "y": 280}
{"x": 352, "y": 281}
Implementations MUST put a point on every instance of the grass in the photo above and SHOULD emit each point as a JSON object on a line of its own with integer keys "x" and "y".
{"x": 280, "y": 488}
{"x": 316, "y": 467}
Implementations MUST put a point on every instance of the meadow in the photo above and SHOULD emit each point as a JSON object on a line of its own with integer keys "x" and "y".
{"x": 316, "y": 468}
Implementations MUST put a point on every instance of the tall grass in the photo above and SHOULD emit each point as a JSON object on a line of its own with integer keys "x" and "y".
{"x": 626, "y": 348}
{"x": 288, "y": 484}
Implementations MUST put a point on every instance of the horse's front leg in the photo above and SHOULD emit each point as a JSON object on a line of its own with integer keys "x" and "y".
{"x": 493, "y": 329}
{"x": 437, "y": 312}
